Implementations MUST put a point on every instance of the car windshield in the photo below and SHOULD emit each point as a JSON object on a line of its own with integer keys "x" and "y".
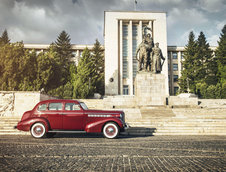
{"x": 84, "y": 106}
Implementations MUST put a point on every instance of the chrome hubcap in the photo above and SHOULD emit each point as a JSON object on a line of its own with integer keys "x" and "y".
{"x": 39, "y": 129}
{"x": 110, "y": 130}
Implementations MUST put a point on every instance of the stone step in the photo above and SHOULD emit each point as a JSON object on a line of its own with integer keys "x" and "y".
{"x": 171, "y": 133}
{"x": 176, "y": 120}
{"x": 179, "y": 123}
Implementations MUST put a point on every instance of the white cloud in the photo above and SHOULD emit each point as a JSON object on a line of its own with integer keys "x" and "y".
{"x": 186, "y": 17}
{"x": 212, "y": 40}
{"x": 221, "y": 24}
{"x": 212, "y": 5}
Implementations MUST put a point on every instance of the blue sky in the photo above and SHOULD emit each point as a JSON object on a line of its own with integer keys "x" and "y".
{"x": 41, "y": 21}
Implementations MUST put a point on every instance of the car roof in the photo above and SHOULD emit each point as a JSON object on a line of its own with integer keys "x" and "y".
{"x": 59, "y": 100}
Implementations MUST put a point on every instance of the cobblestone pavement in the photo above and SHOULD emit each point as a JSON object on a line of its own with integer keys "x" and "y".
{"x": 95, "y": 153}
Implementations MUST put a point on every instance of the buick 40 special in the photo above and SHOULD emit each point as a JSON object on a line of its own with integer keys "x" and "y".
{"x": 70, "y": 116}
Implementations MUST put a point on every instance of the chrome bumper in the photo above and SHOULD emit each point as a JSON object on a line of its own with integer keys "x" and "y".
{"x": 126, "y": 126}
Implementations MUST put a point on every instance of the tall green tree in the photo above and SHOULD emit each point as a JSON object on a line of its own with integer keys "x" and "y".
{"x": 205, "y": 63}
{"x": 221, "y": 57}
{"x": 62, "y": 62}
{"x": 98, "y": 61}
{"x": 188, "y": 75}
{"x": 84, "y": 84}
{"x": 64, "y": 56}
{"x": 45, "y": 72}
{"x": 4, "y": 39}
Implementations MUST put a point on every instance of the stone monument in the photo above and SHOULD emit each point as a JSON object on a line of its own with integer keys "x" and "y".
{"x": 149, "y": 82}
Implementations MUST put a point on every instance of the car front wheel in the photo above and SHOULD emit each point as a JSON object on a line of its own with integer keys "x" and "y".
{"x": 110, "y": 130}
{"x": 38, "y": 130}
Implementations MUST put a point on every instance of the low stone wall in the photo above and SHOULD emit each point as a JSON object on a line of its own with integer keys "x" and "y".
{"x": 15, "y": 103}
{"x": 175, "y": 101}
{"x": 212, "y": 103}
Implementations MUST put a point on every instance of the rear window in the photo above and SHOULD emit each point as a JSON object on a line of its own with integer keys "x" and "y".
{"x": 55, "y": 106}
{"x": 42, "y": 107}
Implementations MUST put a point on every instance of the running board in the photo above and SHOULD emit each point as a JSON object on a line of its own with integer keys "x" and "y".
{"x": 65, "y": 131}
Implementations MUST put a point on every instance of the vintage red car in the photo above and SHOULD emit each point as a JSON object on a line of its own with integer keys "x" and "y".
{"x": 54, "y": 116}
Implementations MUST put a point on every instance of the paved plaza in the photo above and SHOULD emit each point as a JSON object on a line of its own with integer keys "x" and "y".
{"x": 76, "y": 152}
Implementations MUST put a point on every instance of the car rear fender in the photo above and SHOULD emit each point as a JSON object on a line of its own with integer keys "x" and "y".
{"x": 97, "y": 126}
{"x": 27, "y": 124}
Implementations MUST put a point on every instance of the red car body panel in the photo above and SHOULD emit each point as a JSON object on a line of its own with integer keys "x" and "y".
{"x": 26, "y": 124}
{"x": 97, "y": 125}
{"x": 64, "y": 118}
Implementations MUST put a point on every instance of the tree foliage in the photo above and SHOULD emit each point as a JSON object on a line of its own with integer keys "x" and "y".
{"x": 205, "y": 72}
{"x": 84, "y": 82}
{"x": 4, "y": 39}
{"x": 61, "y": 69}
{"x": 221, "y": 57}
{"x": 98, "y": 61}
{"x": 188, "y": 75}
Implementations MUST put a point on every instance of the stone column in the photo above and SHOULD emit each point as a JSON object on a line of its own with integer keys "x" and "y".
{"x": 120, "y": 59}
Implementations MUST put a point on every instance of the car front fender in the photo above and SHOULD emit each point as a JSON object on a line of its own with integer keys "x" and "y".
{"x": 97, "y": 126}
{"x": 25, "y": 125}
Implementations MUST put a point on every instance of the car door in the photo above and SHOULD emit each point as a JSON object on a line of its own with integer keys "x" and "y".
{"x": 74, "y": 117}
{"x": 54, "y": 115}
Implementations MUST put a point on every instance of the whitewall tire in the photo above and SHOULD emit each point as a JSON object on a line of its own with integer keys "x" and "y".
{"x": 38, "y": 130}
{"x": 111, "y": 130}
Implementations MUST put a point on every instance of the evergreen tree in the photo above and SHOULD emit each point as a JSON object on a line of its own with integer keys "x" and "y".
{"x": 4, "y": 39}
{"x": 98, "y": 61}
{"x": 64, "y": 56}
{"x": 83, "y": 82}
{"x": 45, "y": 72}
{"x": 221, "y": 57}
{"x": 205, "y": 63}
{"x": 188, "y": 75}
{"x": 62, "y": 60}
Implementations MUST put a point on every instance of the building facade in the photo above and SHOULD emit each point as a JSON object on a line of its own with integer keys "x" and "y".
{"x": 123, "y": 32}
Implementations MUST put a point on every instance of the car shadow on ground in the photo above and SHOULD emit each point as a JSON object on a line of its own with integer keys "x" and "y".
{"x": 131, "y": 132}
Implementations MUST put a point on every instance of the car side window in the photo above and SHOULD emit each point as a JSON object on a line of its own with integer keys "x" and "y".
{"x": 55, "y": 106}
{"x": 72, "y": 106}
{"x": 42, "y": 107}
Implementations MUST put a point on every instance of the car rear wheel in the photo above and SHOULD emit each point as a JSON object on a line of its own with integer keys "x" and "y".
{"x": 110, "y": 130}
{"x": 38, "y": 130}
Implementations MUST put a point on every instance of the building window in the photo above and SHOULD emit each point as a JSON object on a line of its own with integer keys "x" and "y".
{"x": 74, "y": 53}
{"x": 125, "y": 66}
{"x": 176, "y": 90}
{"x": 134, "y": 30}
{"x": 134, "y": 48}
{"x": 125, "y": 30}
{"x": 125, "y": 51}
{"x": 175, "y": 67}
{"x": 175, "y": 78}
{"x": 174, "y": 55}
{"x": 168, "y": 55}
{"x": 125, "y": 90}
{"x": 169, "y": 78}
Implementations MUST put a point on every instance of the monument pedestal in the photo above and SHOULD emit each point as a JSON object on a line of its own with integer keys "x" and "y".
{"x": 150, "y": 89}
